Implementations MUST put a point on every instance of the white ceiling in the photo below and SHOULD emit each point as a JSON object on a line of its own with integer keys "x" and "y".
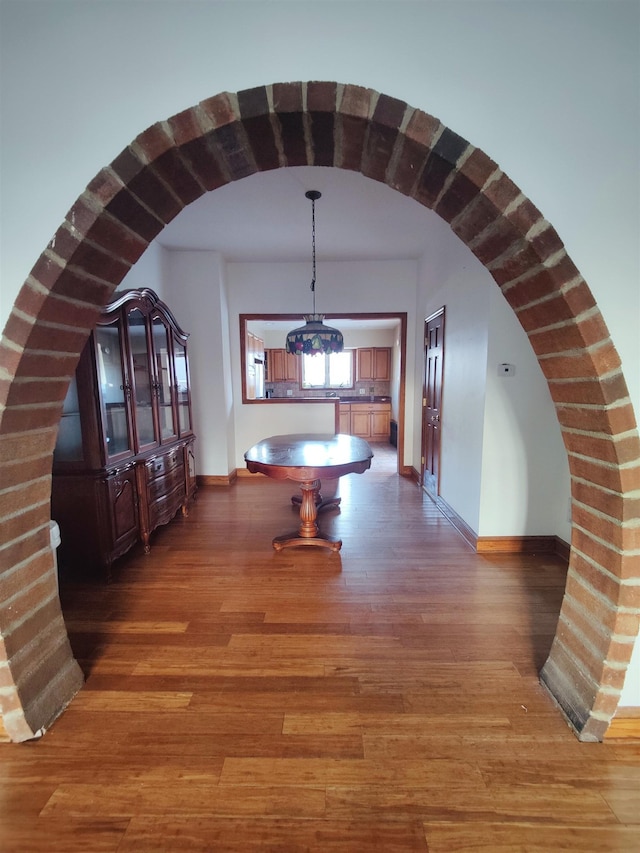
{"x": 266, "y": 217}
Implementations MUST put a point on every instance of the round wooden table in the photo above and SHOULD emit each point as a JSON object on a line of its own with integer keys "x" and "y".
{"x": 307, "y": 459}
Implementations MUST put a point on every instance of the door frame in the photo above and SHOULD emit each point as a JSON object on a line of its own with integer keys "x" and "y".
{"x": 423, "y": 451}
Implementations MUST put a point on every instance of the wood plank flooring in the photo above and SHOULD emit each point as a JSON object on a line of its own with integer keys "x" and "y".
{"x": 384, "y": 698}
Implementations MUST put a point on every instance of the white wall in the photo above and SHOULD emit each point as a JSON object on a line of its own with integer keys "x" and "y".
{"x": 504, "y": 469}
{"x": 347, "y": 287}
{"x": 525, "y": 470}
{"x": 205, "y": 316}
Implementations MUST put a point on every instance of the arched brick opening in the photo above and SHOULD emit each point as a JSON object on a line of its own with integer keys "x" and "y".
{"x": 229, "y": 137}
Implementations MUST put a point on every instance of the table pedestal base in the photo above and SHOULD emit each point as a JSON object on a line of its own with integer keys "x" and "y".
{"x": 294, "y": 538}
{"x": 308, "y": 532}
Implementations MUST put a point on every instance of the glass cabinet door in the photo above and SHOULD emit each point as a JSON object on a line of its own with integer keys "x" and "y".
{"x": 163, "y": 380}
{"x": 182, "y": 387}
{"x": 142, "y": 378}
{"x": 115, "y": 390}
{"x": 69, "y": 444}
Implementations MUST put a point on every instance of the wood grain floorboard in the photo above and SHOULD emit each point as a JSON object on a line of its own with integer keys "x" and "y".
{"x": 383, "y": 698}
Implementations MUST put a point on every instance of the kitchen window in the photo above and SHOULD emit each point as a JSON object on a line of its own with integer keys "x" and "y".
{"x": 332, "y": 370}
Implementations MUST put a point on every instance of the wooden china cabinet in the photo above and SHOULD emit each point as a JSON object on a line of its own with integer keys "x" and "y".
{"x": 124, "y": 460}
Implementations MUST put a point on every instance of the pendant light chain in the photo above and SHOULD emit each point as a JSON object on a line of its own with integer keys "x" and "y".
{"x": 313, "y": 251}
{"x": 314, "y": 337}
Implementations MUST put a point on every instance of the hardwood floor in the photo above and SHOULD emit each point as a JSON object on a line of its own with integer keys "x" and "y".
{"x": 384, "y": 698}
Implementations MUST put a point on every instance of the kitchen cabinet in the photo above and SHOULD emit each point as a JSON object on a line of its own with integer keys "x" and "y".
{"x": 124, "y": 460}
{"x": 345, "y": 418}
{"x": 366, "y": 420}
{"x": 374, "y": 363}
{"x": 282, "y": 366}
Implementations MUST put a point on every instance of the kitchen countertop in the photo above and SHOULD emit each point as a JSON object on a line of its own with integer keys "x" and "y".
{"x": 364, "y": 398}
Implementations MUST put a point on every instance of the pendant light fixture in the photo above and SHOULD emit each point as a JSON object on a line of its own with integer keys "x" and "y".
{"x": 314, "y": 337}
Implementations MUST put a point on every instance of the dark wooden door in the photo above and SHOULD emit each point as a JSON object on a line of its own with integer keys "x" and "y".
{"x": 432, "y": 402}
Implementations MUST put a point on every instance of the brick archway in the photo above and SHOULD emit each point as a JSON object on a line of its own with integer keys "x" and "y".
{"x": 229, "y": 137}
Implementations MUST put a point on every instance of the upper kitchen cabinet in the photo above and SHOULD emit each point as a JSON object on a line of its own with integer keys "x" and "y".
{"x": 374, "y": 363}
{"x": 282, "y": 366}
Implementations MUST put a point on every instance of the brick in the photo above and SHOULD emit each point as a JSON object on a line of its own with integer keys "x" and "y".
{"x": 185, "y": 127}
{"x": 201, "y": 155}
{"x": 590, "y": 392}
{"x": 524, "y": 216}
{"x": 29, "y": 418}
{"x": 22, "y": 471}
{"x": 546, "y": 313}
{"x": 378, "y": 150}
{"x": 322, "y": 131}
{"x": 586, "y": 332}
{"x": 292, "y": 138}
{"x": 499, "y": 238}
{"x": 459, "y": 195}
{"x": 582, "y": 364}
{"x": 173, "y": 170}
{"x": 547, "y": 242}
{"x": 616, "y": 563}
{"x": 407, "y": 166}
{"x": 145, "y": 185}
{"x": 49, "y": 307}
{"x": 154, "y": 141}
{"x": 17, "y": 447}
{"x": 24, "y": 496}
{"x": 572, "y": 688}
{"x": 322, "y": 97}
{"x": 19, "y": 638}
{"x": 353, "y": 133}
{"x": 432, "y": 180}
{"x": 502, "y": 192}
{"x": 31, "y": 549}
{"x": 128, "y": 210}
{"x": 611, "y": 477}
{"x": 256, "y": 119}
{"x": 600, "y": 610}
{"x": 234, "y": 151}
{"x": 478, "y": 168}
{"x": 287, "y": 98}
{"x": 476, "y": 218}
{"x": 605, "y": 448}
{"x": 219, "y": 110}
{"x": 101, "y": 228}
{"x": 605, "y": 528}
{"x": 35, "y": 671}
{"x": 27, "y": 603}
{"x": 357, "y": 101}
{"x": 76, "y": 284}
{"x": 29, "y": 392}
{"x": 40, "y": 365}
{"x": 610, "y": 421}
{"x": 422, "y": 129}
{"x": 610, "y": 503}
{"x": 43, "y": 337}
{"x": 520, "y": 257}
{"x": 540, "y": 282}
{"x": 597, "y": 634}
{"x": 288, "y": 105}
{"x": 253, "y": 102}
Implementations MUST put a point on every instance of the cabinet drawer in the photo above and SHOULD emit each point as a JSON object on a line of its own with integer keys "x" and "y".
{"x": 160, "y": 486}
{"x": 370, "y": 407}
{"x": 159, "y": 466}
{"x": 164, "y": 508}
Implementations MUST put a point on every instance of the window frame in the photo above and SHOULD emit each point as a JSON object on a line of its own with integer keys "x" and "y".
{"x": 327, "y": 386}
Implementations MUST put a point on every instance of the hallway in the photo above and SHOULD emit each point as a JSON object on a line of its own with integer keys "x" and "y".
{"x": 383, "y": 698}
